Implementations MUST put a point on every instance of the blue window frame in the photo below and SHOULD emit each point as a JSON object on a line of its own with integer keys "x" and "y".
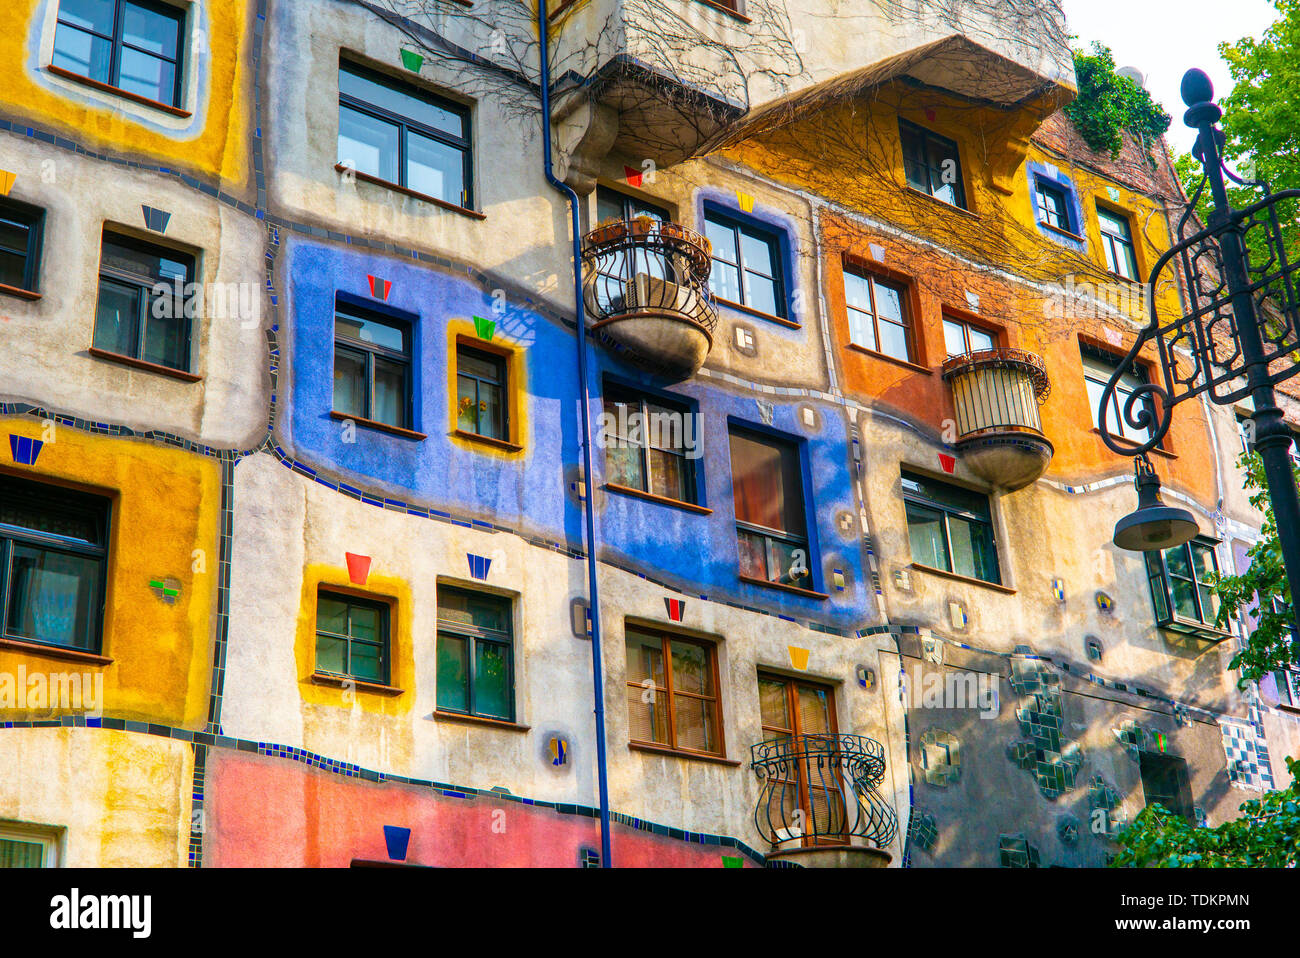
{"x": 133, "y": 45}
{"x": 749, "y": 263}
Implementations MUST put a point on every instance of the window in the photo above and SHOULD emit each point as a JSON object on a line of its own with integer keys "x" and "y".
{"x": 672, "y": 692}
{"x": 878, "y": 314}
{"x": 1098, "y": 367}
{"x": 475, "y": 654}
{"x": 747, "y": 266}
{"x": 771, "y": 529}
{"x": 647, "y": 445}
{"x": 53, "y": 555}
{"x": 960, "y": 337}
{"x": 372, "y": 367}
{"x": 1288, "y": 687}
{"x": 1117, "y": 242}
{"x": 28, "y": 847}
{"x": 134, "y": 45}
{"x": 1053, "y": 205}
{"x": 1164, "y": 780}
{"x": 791, "y": 710}
{"x": 395, "y": 133}
{"x": 20, "y": 244}
{"x": 951, "y": 529}
{"x": 481, "y": 401}
{"x": 612, "y": 205}
{"x": 1182, "y": 588}
{"x": 352, "y": 637}
{"x": 145, "y": 302}
{"x": 932, "y": 164}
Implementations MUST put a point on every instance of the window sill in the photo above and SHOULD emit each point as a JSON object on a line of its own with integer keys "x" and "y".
{"x": 1157, "y": 450}
{"x": 749, "y": 311}
{"x": 378, "y": 426}
{"x": 53, "y": 651}
{"x": 682, "y": 753}
{"x": 18, "y": 291}
{"x": 118, "y": 91}
{"x": 943, "y": 203}
{"x": 456, "y": 718}
{"x": 781, "y": 586}
{"x": 1125, "y": 279}
{"x": 905, "y": 363}
{"x": 735, "y": 14}
{"x": 144, "y": 365}
{"x": 1294, "y": 710}
{"x": 488, "y": 441}
{"x": 1065, "y": 234}
{"x": 341, "y": 682}
{"x": 969, "y": 580}
{"x": 662, "y": 500}
{"x": 414, "y": 194}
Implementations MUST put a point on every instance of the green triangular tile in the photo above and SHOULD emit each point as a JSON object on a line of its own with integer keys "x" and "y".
{"x": 484, "y": 327}
{"x": 412, "y": 60}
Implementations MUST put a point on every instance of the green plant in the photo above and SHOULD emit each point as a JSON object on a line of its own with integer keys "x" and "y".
{"x": 1109, "y": 105}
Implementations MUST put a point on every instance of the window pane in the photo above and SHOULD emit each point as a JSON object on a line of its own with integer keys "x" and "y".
{"x": 761, "y": 294}
{"x": 645, "y": 659}
{"x": 492, "y": 680}
{"x": 788, "y": 562}
{"x": 166, "y": 340}
{"x": 766, "y": 484}
{"x": 973, "y": 553}
{"x": 861, "y": 329}
{"x": 1209, "y": 605}
{"x": 147, "y": 76}
{"x": 49, "y": 512}
{"x": 893, "y": 340}
{"x": 466, "y": 404}
{"x": 349, "y": 383}
{"x": 491, "y": 418}
{"x": 331, "y": 615}
{"x": 1178, "y": 563}
{"x": 13, "y": 235}
{"x": 486, "y": 613}
{"x": 774, "y": 703}
{"x": 889, "y": 302}
{"x": 694, "y": 724}
{"x": 759, "y": 253}
{"x": 150, "y": 30}
{"x": 814, "y": 709}
{"x": 453, "y": 673}
{"x": 753, "y": 554}
{"x": 725, "y": 281}
{"x": 691, "y": 669}
{"x": 1203, "y": 557}
{"x": 980, "y": 340}
{"x": 117, "y": 317}
{"x": 925, "y": 530}
{"x": 83, "y": 54}
{"x": 19, "y": 854}
{"x": 434, "y": 168}
{"x": 365, "y": 622}
{"x": 13, "y": 269}
{"x": 331, "y": 654}
{"x": 723, "y": 239}
{"x": 405, "y": 104}
{"x": 954, "y": 338}
{"x": 52, "y": 596}
{"x": 390, "y": 393}
{"x": 623, "y": 464}
{"x": 476, "y": 364}
{"x": 370, "y": 331}
{"x": 368, "y": 662}
{"x": 368, "y": 144}
{"x": 668, "y": 475}
{"x": 94, "y": 15}
{"x": 1184, "y": 594}
{"x": 647, "y": 715}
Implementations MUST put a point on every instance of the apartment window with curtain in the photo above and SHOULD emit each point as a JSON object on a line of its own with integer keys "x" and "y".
{"x": 932, "y": 164}
{"x": 1117, "y": 244}
{"x": 672, "y": 692}
{"x": 961, "y": 337}
{"x": 647, "y": 447}
{"x": 879, "y": 318}
{"x": 1098, "y": 367}
{"x": 748, "y": 268}
{"x": 352, "y": 637}
{"x": 20, "y": 244}
{"x": 771, "y": 528}
{"x": 372, "y": 367}
{"x": 400, "y": 135}
{"x": 133, "y": 45}
{"x": 482, "y": 402}
{"x": 53, "y": 564}
{"x": 475, "y": 658}
{"x": 144, "y": 307}
{"x": 950, "y": 529}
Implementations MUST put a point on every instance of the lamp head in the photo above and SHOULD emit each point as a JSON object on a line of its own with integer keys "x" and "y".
{"x": 1153, "y": 526}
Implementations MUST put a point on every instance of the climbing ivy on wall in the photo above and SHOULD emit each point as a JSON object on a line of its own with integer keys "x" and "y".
{"x": 1109, "y": 105}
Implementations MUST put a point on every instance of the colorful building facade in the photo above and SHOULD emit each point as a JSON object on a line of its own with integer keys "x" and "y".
{"x": 295, "y": 498}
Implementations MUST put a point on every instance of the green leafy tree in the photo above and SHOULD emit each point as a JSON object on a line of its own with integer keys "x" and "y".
{"x": 1110, "y": 105}
{"x": 1267, "y": 835}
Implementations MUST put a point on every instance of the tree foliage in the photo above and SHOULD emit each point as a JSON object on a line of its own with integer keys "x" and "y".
{"x": 1267, "y": 835}
{"x": 1110, "y": 105}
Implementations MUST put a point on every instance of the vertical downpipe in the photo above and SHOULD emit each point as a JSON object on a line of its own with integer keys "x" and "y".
{"x": 597, "y": 669}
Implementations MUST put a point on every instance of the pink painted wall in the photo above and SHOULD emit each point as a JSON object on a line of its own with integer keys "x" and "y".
{"x": 262, "y": 811}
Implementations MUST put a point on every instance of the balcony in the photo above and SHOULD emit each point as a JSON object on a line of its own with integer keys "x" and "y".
{"x": 997, "y": 393}
{"x": 645, "y": 289}
{"x": 819, "y": 805}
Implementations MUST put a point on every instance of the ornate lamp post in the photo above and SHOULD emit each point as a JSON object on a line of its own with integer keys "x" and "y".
{"x": 1241, "y": 330}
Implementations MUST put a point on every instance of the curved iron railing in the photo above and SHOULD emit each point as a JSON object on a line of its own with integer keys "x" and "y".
{"x": 821, "y": 789}
{"x": 647, "y": 269}
{"x": 997, "y": 390}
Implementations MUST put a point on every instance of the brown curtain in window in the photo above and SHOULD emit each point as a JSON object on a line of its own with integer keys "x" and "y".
{"x": 756, "y": 481}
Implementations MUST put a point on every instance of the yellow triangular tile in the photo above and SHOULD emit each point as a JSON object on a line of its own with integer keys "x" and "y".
{"x": 798, "y": 658}
{"x": 7, "y": 182}
{"x": 746, "y": 202}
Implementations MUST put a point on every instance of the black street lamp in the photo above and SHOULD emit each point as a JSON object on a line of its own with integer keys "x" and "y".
{"x": 1242, "y": 320}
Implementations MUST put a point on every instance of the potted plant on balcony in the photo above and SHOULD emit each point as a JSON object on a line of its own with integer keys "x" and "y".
{"x": 643, "y": 225}
{"x": 607, "y": 231}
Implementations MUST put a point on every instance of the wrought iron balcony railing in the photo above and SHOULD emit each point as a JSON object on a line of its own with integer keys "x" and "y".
{"x": 646, "y": 291}
{"x": 996, "y": 394}
{"x": 821, "y": 789}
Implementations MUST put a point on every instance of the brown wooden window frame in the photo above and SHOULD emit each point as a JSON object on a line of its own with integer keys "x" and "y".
{"x": 966, "y": 324}
{"x": 670, "y": 692}
{"x": 792, "y": 685}
{"x": 872, "y": 278}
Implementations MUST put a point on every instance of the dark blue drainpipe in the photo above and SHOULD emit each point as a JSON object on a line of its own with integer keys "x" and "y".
{"x": 597, "y": 670}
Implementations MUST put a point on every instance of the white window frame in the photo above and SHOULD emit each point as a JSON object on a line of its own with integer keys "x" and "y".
{"x": 49, "y": 837}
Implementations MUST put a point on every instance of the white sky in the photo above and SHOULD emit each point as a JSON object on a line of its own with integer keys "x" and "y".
{"x": 1166, "y": 38}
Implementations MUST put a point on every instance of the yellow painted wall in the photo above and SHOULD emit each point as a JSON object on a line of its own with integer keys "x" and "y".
{"x": 213, "y": 142}
{"x": 164, "y": 522}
